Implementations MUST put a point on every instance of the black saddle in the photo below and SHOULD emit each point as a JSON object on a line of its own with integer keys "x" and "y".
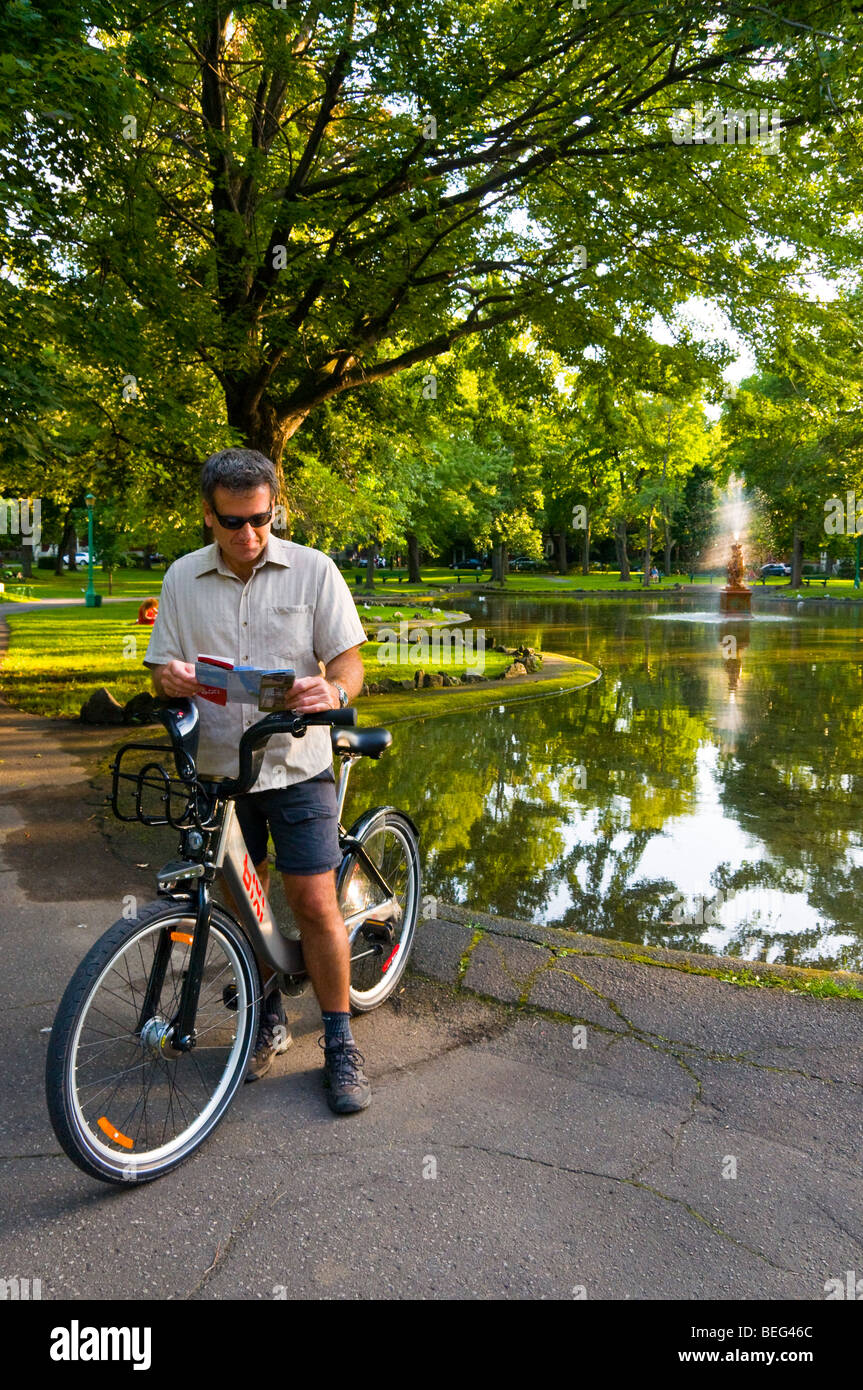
{"x": 368, "y": 743}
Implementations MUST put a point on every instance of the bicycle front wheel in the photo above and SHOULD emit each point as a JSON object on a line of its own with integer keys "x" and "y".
{"x": 125, "y": 1107}
{"x": 381, "y": 921}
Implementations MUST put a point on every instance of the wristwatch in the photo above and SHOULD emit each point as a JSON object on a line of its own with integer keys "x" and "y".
{"x": 343, "y": 694}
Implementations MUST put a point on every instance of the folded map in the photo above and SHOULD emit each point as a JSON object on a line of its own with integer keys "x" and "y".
{"x": 223, "y": 683}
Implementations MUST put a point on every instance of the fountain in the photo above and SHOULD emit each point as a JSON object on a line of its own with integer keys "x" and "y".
{"x": 735, "y": 597}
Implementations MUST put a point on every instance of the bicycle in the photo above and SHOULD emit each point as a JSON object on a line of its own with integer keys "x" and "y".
{"x": 154, "y": 1031}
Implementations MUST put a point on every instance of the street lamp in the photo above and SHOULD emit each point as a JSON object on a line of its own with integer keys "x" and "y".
{"x": 91, "y": 598}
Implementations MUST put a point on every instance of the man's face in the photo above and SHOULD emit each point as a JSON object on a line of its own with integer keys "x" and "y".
{"x": 245, "y": 545}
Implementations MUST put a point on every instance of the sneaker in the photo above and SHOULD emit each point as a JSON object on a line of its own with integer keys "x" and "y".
{"x": 346, "y": 1085}
{"x": 273, "y": 1038}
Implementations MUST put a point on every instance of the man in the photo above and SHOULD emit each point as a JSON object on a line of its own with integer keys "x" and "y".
{"x": 255, "y": 599}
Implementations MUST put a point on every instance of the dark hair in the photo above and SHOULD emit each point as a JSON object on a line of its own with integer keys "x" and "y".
{"x": 239, "y": 470}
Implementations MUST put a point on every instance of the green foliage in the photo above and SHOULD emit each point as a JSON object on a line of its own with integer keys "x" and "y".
{"x": 227, "y": 224}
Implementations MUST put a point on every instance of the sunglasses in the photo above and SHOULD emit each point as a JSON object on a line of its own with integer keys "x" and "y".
{"x": 236, "y": 523}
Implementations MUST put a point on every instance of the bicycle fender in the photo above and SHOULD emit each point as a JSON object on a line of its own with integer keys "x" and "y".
{"x": 361, "y": 823}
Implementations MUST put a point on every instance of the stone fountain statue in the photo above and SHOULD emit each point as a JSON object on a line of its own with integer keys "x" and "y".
{"x": 735, "y": 597}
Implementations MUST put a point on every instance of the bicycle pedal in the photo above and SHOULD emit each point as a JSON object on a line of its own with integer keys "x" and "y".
{"x": 374, "y": 930}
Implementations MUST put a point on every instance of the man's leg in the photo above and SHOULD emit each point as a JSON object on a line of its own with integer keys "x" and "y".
{"x": 312, "y": 899}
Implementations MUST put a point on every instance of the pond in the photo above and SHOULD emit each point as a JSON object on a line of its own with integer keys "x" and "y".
{"x": 704, "y": 794}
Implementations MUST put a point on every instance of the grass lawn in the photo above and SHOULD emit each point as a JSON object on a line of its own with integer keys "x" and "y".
{"x": 125, "y": 582}
{"x": 58, "y": 657}
{"x": 389, "y": 615}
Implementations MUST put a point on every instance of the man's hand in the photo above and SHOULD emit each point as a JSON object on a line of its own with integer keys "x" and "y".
{"x": 176, "y": 678}
{"x": 311, "y": 693}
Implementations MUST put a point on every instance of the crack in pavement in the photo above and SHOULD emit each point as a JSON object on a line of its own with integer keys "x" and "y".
{"x": 855, "y": 1236}
{"x": 18, "y": 1158}
{"x": 641, "y": 1186}
{"x": 676, "y": 1135}
{"x": 221, "y": 1256}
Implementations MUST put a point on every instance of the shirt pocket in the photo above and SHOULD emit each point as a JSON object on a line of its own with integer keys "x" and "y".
{"x": 289, "y": 632}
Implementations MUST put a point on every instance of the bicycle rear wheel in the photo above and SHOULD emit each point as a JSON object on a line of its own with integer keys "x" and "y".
{"x": 381, "y": 943}
{"x": 125, "y": 1107}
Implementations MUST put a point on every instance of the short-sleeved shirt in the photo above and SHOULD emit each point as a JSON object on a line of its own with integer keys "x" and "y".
{"x": 294, "y": 611}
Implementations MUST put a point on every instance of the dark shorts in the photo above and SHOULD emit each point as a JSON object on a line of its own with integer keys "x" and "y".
{"x": 303, "y": 821}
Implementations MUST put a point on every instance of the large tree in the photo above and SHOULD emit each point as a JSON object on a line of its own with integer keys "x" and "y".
{"x": 307, "y": 198}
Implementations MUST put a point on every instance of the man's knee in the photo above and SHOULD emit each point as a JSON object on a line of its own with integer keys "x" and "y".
{"x": 311, "y": 897}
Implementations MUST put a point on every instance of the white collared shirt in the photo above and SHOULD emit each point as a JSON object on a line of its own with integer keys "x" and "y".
{"x": 294, "y": 611}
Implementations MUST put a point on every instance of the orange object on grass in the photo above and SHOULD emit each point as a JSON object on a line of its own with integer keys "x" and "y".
{"x": 148, "y": 610}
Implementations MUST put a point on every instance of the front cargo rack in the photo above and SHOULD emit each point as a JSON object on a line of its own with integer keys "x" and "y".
{"x": 158, "y": 798}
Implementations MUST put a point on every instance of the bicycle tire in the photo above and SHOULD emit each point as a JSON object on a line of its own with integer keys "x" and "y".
{"x": 369, "y": 828}
{"x": 100, "y": 1156}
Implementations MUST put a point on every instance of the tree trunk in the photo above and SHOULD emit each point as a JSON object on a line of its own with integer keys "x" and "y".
{"x": 371, "y": 557}
{"x": 27, "y": 558}
{"x": 497, "y": 563}
{"x": 797, "y": 560}
{"x": 645, "y": 578}
{"x": 414, "y": 576}
{"x": 63, "y": 545}
{"x": 668, "y": 546}
{"x": 261, "y": 425}
{"x": 562, "y": 562}
{"x": 72, "y": 548}
{"x": 585, "y": 551}
{"x": 622, "y": 553}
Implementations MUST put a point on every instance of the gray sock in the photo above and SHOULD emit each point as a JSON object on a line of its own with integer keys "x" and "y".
{"x": 337, "y": 1028}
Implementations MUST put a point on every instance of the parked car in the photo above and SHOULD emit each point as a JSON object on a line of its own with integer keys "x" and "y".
{"x": 522, "y": 562}
{"x": 82, "y": 559}
{"x": 775, "y": 571}
{"x": 467, "y": 565}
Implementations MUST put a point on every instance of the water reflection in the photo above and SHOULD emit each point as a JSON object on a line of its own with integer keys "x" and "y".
{"x": 704, "y": 794}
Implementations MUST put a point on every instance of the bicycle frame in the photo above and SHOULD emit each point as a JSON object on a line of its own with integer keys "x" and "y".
{"x": 253, "y": 910}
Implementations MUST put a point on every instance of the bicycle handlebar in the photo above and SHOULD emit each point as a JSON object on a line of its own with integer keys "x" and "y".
{"x": 180, "y": 718}
{"x": 254, "y": 740}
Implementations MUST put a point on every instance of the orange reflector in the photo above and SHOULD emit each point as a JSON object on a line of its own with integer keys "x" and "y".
{"x": 112, "y": 1133}
{"x": 182, "y": 936}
